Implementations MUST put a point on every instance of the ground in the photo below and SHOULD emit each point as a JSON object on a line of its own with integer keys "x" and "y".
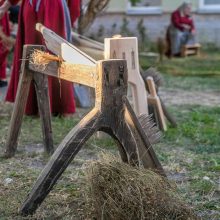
{"x": 190, "y": 153}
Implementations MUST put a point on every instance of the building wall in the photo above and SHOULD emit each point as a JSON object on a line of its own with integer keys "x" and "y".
{"x": 170, "y": 5}
{"x": 111, "y": 22}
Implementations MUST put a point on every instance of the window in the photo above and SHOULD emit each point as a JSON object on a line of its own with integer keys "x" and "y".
{"x": 209, "y": 6}
{"x": 144, "y": 7}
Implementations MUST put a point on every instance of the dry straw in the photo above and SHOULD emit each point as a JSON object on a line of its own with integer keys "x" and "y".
{"x": 117, "y": 191}
{"x": 41, "y": 59}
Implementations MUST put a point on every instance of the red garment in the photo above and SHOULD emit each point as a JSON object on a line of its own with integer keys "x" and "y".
{"x": 74, "y": 7}
{"x": 177, "y": 20}
{"x": 4, "y": 25}
{"x": 61, "y": 99}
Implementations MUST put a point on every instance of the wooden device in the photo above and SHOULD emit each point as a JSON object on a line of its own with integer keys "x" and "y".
{"x": 112, "y": 113}
{"x": 190, "y": 50}
{"x": 120, "y": 48}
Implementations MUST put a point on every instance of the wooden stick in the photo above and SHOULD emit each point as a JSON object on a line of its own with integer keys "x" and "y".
{"x": 41, "y": 87}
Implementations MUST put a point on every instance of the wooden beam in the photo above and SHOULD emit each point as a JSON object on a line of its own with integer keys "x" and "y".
{"x": 63, "y": 48}
{"x": 19, "y": 106}
{"x": 77, "y": 73}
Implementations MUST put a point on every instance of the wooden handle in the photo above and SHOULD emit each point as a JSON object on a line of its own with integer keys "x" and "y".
{"x": 151, "y": 86}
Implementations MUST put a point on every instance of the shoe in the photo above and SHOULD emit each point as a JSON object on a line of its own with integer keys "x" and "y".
{"x": 3, "y": 83}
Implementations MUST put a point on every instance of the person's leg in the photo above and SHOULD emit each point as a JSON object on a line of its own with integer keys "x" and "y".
{"x": 176, "y": 42}
{"x": 3, "y": 64}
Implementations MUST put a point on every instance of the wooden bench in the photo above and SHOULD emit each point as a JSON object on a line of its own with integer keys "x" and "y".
{"x": 190, "y": 50}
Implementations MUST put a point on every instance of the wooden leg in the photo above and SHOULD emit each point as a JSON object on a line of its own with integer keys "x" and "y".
{"x": 126, "y": 139}
{"x": 41, "y": 86}
{"x": 19, "y": 106}
{"x": 59, "y": 161}
{"x": 121, "y": 149}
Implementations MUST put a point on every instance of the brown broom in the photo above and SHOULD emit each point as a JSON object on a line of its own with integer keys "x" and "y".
{"x": 152, "y": 72}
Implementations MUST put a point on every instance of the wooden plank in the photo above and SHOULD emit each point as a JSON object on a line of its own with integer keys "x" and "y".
{"x": 80, "y": 40}
{"x": 127, "y": 48}
{"x": 20, "y": 103}
{"x": 63, "y": 48}
{"x": 192, "y": 46}
{"x": 96, "y": 54}
{"x": 78, "y": 73}
{"x": 41, "y": 88}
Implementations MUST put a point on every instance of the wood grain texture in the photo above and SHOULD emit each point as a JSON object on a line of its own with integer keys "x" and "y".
{"x": 63, "y": 48}
{"x": 127, "y": 48}
{"x": 20, "y": 103}
{"x": 41, "y": 88}
{"x": 77, "y": 73}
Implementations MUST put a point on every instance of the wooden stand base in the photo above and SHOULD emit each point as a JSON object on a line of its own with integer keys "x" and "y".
{"x": 190, "y": 50}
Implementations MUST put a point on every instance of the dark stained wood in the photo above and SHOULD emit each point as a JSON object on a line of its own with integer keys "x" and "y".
{"x": 20, "y": 103}
{"x": 108, "y": 115}
{"x": 40, "y": 82}
{"x": 148, "y": 156}
{"x": 41, "y": 87}
{"x": 59, "y": 161}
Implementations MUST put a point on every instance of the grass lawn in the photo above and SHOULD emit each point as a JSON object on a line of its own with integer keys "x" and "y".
{"x": 190, "y": 153}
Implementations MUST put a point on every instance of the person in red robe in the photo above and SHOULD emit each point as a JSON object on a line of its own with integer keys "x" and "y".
{"x": 4, "y": 34}
{"x": 55, "y": 15}
{"x": 182, "y": 29}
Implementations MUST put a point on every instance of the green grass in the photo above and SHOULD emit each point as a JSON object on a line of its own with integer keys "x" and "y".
{"x": 208, "y": 64}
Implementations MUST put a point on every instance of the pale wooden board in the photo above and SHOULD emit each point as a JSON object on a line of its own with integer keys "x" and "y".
{"x": 63, "y": 48}
{"x": 127, "y": 48}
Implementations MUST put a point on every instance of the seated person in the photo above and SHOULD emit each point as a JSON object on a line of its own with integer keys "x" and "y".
{"x": 181, "y": 30}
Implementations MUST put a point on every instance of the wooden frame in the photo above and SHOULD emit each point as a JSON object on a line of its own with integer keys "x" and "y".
{"x": 112, "y": 114}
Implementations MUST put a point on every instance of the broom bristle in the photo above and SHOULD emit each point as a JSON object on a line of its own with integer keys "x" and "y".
{"x": 155, "y": 74}
{"x": 151, "y": 130}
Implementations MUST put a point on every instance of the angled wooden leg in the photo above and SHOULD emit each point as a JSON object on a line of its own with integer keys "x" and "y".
{"x": 147, "y": 154}
{"x": 19, "y": 106}
{"x": 122, "y": 152}
{"x": 61, "y": 158}
{"x": 126, "y": 139}
{"x": 41, "y": 87}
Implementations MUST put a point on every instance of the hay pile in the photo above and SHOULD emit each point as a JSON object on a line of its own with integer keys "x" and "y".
{"x": 118, "y": 191}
